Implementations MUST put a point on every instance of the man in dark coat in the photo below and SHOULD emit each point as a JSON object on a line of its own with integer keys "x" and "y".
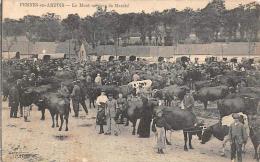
{"x": 75, "y": 96}
{"x": 82, "y": 95}
{"x": 13, "y": 101}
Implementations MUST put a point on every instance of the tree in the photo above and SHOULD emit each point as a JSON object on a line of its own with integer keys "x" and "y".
{"x": 208, "y": 21}
{"x": 141, "y": 22}
{"x": 71, "y": 24}
{"x": 11, "y": 29}
{"x": 49, "y": 27}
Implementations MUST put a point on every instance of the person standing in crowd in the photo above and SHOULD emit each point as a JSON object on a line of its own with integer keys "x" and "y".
{"x": 188, "y": 101}
{"x": 136, "y": 77}
{"x": 23, "y": 84}
{"x": 82, "y": 95}
{"x": 101, "y": 116}
{"x": 175, "y": 102}
{"x": 121, "y": 105}
{"x": 32, "y": 79}
{"x": 98, "y": 80}
{"x": 88, "y": 79}
{"x": 110, "y": 116}
{"x": 146, "y": 117}
{"x": 14, "y": 101}
{"x": 64, "y": 92}
{"x": 237, "y": 137}
{"x": 75, "y": 96}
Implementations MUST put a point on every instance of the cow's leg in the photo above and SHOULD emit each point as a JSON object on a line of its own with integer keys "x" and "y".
{"x": 57, "y": 118}
{"x": 127, "y": 122}
{"x": 258, "y": 153}
{"x": 52, "y": 117}
{"x": 205, "y": 104}
{"x": 255, "y": 147}
{"x": 43, "y": 114}
{"x": 93, "y": 102}
{"x": 61, "y": 121}
{"x": 185, "y": 141}
{"x": 190, "y": 138}
{"x": 67, "y": 120}
{"x": 134, "y": 124}
{"x": 166, "y": 140}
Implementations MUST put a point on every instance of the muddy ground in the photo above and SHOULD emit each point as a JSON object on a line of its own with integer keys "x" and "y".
{"x": 36, "y": 141}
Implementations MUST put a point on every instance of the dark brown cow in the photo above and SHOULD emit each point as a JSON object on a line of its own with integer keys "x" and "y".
{"x": 177, "y": 119}
{"x": 57, "y": 106}
{"x": 254, "y": 125}
{"x": 134, "y": 110}
{"x": 241, "y": 103}
{"x": 206, "y": 94}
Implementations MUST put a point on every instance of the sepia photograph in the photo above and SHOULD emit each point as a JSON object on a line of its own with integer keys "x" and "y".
{"x": 130, "y": 81}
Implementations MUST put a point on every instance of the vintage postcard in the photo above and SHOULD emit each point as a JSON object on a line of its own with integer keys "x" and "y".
{"x": 130, "y": 81}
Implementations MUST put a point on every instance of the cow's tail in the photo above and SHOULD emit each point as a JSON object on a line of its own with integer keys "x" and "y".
{"x": 219, "y": 108}
{"x": 153, "y": 125}
{"x": 258, "y": 153}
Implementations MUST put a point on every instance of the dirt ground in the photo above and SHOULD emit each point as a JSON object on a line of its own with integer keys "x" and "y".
{"x": 36, "y": 141}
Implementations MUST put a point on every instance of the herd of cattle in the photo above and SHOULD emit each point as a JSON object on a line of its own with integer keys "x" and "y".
{"x": 234, "y": 89}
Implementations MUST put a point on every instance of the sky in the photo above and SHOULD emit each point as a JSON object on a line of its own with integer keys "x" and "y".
{"x": 18, "y": 8}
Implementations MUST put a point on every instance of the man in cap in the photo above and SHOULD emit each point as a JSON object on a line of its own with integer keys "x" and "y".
{"x": 238, "y": 137}
{"x": 75, "y": 96}
{"x": 111, "y": 114}
{"x": 98, "y": 80}
{"x": 101, "y": 116}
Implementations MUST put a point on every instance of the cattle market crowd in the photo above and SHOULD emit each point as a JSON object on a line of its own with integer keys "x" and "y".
{"x": 162, "y": 95}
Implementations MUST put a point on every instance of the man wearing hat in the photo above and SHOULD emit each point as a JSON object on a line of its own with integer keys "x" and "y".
{"x": 75, "y": 96}
{"x": 237, "y": 137}
{"x": 101, "y": 116}
{"x": 110, "y": 115}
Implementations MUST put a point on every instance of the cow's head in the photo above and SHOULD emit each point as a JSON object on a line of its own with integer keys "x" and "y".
{"x": 206, "y": 135}
{"x": 199, "y": 128}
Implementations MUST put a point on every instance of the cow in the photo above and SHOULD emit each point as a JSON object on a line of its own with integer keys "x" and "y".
{"x": 145, "y": 84}
{"x": 169, "y": 92}
{"x": 254, "y": 126}
{"x": 57, "y": 106}
{"x": 238, "y": 103}
{"x": 220, "y": 130}
{"x": 177, "y": 119}
{"x": 204, "y": 83}
{"x": 134, "y": 110}
{"x": 206, "y": 94}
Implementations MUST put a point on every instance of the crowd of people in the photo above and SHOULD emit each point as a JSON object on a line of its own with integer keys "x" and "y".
{"x": 21, "y": 74}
